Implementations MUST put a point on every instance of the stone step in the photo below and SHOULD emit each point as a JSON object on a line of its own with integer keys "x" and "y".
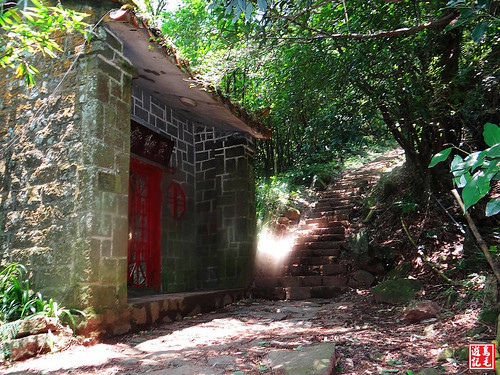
{"x": 299, "y": 293}
{"x": 333, "y": 203}
{"x": 316, "y": 260}
{"x": 319, "y": 252}
{"x": 328, "y": 291}
{"x": 269, "y": 293}
{"x": 323, "y": 222}
{"x": 321, "y": 231}
{"x": 335, "y": 244}
{"x": 321, "y": 237}
{"x": 363, "y": 175}
{"x": 328, "y": 206}
{"x": 315, "y": 270}
{"x": 300, "y": 281}
{"x": 271, "y": 282}
{"x": 341, "y": 193}
{"x": 349, "y": 184}
{"x": 343, "y": 214}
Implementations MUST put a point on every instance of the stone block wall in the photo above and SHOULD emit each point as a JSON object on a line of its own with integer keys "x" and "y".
{"x": 177, "y": 239}
{"x": 64, "y": 173}
{"x": 225, "y": 208}
{"x": 191, "y": 254}
{"x": 236, "y": 234}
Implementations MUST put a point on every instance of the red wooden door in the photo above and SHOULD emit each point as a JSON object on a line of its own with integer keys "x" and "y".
{"x": 144, "y": 218}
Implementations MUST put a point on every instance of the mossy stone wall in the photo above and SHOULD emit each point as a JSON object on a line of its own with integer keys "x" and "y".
{"x": 64, "y": 172}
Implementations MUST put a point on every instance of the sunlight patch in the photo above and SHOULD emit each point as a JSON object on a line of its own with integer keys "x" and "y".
{"x": 273, "y": 250}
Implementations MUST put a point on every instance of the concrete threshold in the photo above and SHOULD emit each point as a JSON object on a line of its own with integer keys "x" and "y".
{"x": 165, "y": 308}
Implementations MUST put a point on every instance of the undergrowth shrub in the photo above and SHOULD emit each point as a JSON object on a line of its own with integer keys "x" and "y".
{"x": 18, "y": 301}
{"x": 272, "y": 196}
{"x": 306, "y": 175}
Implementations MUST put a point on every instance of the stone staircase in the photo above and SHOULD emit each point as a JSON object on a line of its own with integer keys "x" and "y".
{"x": 317, "y": 265}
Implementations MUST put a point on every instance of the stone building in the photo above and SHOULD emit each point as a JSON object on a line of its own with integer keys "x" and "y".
{"x": 121, "y": 176}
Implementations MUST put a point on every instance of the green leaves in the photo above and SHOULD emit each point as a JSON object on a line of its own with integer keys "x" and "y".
{"x": 327, "y": 91}
{"x": 262, "y": 4}
{"x": 30, "y": 32}
{"x": 475, "y": 173}
{"x": 18, "y": 301}
{"x": 479, "y": 30}
{"x": 440, "y": 156}
{"x": 491, "y": 134}
{"x": 248, "y": 12}
{"x": 493, "y": 207}
{"x": 14, "y": 292}
{"x": 475, "y": 189}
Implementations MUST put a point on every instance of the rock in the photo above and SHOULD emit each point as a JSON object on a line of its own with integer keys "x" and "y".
{"x": 397, "y": 291}
{"x": 460, "y": 354}
{"x": 283, "y": 220}
{"x": 428, "y": 371}
{"x": 382, "y": 252}
{"x": 420, "y": 310}
{"x": 188, "y": 369}
{"x": 374, "y": 267}
{"x": 361, "y": 279}
{"x": 30, "y": 326}
{"x": 476, "y": 331}
{"x": 292, "y": 214}
{"x": 399, "y": 272}
{"x": 358, "y": 243}
{"x": 445, "y": 354}
{"x": 222, "y": 361}
{"x": 312, "y": 360}
{"x": 489, "y": 315}
{"x": 29, "y": 346}
{"x": 32, "y": 336}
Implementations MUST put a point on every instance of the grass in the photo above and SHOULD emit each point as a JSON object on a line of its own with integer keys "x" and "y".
{"x": 18, "y": 301}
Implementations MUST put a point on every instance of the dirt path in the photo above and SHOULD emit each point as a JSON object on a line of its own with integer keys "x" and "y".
{"x": 369, "y": 338}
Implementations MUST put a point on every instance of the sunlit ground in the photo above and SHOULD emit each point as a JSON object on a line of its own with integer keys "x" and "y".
{"x": 368, "y": 337}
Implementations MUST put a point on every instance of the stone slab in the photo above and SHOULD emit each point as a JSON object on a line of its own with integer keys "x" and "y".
{"x": 188, "y": 370}
{"x": 312, "y": 360}
{"x": 222, "y": 361}
{"x": 151, "y": 309}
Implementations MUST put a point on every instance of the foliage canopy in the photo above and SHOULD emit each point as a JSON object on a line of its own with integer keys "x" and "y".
{"x": 331, "y": 77}
{"x": 30, "y": 31}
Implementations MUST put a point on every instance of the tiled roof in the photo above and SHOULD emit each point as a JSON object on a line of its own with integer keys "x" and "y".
{"x": 127, "y": 13}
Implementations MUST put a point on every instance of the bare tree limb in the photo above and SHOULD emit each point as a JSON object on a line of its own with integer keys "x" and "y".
{"x": 346, "y": 16}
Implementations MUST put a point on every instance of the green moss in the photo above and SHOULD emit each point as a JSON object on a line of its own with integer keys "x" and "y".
{"x": 396, "y": 291}
{"x": 489, "y": 315}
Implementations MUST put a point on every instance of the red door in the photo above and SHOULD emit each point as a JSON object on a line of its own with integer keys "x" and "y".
{"x": 144, "y": 225}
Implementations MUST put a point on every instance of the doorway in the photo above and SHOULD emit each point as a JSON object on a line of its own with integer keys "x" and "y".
{"x": 144, "y": 218}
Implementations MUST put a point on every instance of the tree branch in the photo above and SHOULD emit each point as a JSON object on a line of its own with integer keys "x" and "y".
{"x": 380, "y": 34}
{"x": 311, "y": 8}
{"x": 476, "y": 234}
